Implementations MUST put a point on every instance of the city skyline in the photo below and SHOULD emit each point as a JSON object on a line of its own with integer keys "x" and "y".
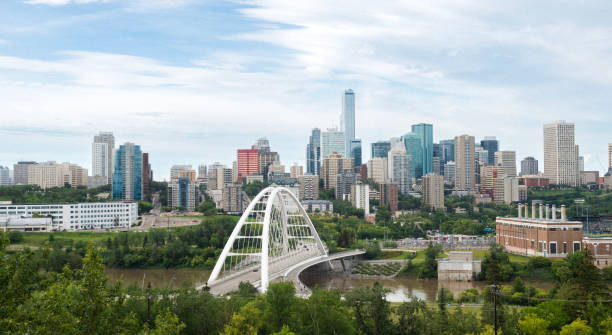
{"x": 189, "y": 97}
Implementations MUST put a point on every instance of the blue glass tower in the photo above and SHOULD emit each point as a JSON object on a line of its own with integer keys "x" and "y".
{"x": 356, "y": 152}
{"x": 380, "y": 149}
{"x": 347, "y": 120}
{"x": 491, "y": 144}
{"x": 425, "y": 133}
{"x": 127, "y": 174}
{"x": 412, "y": 142}
{"x": 313, "y": 152}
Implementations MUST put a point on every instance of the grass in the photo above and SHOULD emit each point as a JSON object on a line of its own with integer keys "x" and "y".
{"x": 38, "y": 239}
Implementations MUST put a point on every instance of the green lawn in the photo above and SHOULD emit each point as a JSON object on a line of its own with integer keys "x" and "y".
{"x": 38, "y": 239}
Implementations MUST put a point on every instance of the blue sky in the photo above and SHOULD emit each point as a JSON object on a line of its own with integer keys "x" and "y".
{"x": 192, "y": 81}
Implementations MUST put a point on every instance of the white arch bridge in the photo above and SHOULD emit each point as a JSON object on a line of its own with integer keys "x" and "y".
{"x": 274, "y": 239}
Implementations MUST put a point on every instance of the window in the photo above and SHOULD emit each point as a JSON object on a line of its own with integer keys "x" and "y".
{"x": 553, "y": 229}
{"x": 576, "y": 229}
{"x": 553, "y": 247}
{"x": 576, "y": 246}
{"x": 565, "y": 247}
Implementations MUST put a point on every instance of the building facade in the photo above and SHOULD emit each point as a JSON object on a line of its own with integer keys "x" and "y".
{"x": 399, "y": 166}
{"x": 356, "y": 151}
{"x": 388, "y": 196}
{"x": 183, "y": 192}
{"x": 313, "y": 152}
{"x": 380, "y": 149}
{"x": 332, "y": 165}
{"x": 247, "y": 163}
{"x": 433, "y": 191}
{"x": 309, "y": 187}
{"x": 412, "y": 143}
{"x": 560, "y": 154}
{"x": 332, "y": 141}
{"x": 378, "y": 170}
{"x": 147, "y": 177}
{"x": 5, "y": 176}
{"x": 51, "y": 174}
{"x": 344, "y": 181}
{"x": 127, "y": 173}
{"x": 491, "y": 145}
{"x": 425, "y": 133}
{"x": 79, "y": 216}
{"x": 360, "y": 197}
{"x": 347, "y": 119}
{"x": 529, "y": 166}
{"x": 296, "y": 171}
{"x": 507, "y": 160}
{"x": 102, "y": 150}
{"x": 20, "y": 172}
{"x": 235, "y": 199}
{"x": 464, "y": 162}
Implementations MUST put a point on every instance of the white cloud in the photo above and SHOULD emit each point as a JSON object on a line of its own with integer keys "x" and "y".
{"x": 60, "y": 2}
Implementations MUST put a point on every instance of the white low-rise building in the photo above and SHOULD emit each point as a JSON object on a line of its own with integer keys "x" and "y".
{"x": 24, "y": 223}
{"x": 79, "y": 216}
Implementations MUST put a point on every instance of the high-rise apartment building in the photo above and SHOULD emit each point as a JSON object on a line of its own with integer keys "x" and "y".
{"x": 296, "y": 170}
{"x": 412, "y": 143}
{"x": 247, "y": 162}
{"x": 437, "y": 166}
{"x": 127, "y": 172}
{"x": 356, "y": 151}
{"x": 102, "y": 150}
{"x": 448, "y": 150}
{"x": 506, "y": 190}
{"x": 388, "y": 196}
{"x": 147, "y": 177}
{"x": 609, "y": 155}
{"x": 378, "y": 170}
{"x": 449, "y": 172}
{"x": 491, "y": 145}
{"x": 175, "y": 170}
{"x": 235, "y": 200}
{"x": 488, "y": 174}
{"x": 183, "y": 192}
{"x": 507, "y": 160}
{"x": 51, "y": 174}
{"x": 465, "y": 162}
{"x": 380, "y": 149}
{"x": 344, "y": 180}
{"x": 332, "y": 141}
{"x": 360, "y": 197}
{"x": 5, "y": 176}
{"x": 202, "y": 173}
{"x": 347, "y": 119}
{"x": 560, "y": 154}
{"x": 20, "y": 172}
{"x": 331, "y": 166}
{"x": 529, "y": 166}
{"x": 399, "y": 166}
{"x": 309, "y": 187}
{"x": 313, "y": 152}
{"x": 425, "y": 133}
{"x": 433, "y": 191}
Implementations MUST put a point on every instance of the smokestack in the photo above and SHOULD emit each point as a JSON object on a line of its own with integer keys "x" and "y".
{"x": 520, "y": 209}
{"x": 554, "y": 212}
{"x": 533, "y": 211}
{"x": 563, "y": 213}
{"x": 547, "y": 212}
{"x": 541, "y": 211}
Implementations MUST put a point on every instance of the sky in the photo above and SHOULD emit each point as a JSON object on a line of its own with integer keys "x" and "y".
{"x": 192, "y": 81}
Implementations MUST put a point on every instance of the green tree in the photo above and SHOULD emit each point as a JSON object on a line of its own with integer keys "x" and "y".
{"x": 280, "y": 302}
{"x": 578, "y": 327}
{"x": 533, "y": 325}
{"x": 325, "y": 313}
{"x": 430, "y": 265}
{"x": 372, "y": 310}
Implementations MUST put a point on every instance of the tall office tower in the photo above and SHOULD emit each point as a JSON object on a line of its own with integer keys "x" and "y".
{"x": 360, "y": 197}
{"x": 248, "y": 163}
{"x": 465, "y": 168}
{"x": 491, "y": 145}
{"x": 331, "y": 166}
{"x": 262, "y": 145}
{"x": 380, "y": 149}
{"x": 20, "y": 172}
{"x": 175, "y": 170}
{"x": 183, "y": 192}
{"x": 356, "y": 151}
{"x": 202, "y": 172}
{"x": 347, "y": 119}
{"x": 449, "y": 172}
{"x": 332, "y": 141}
{"x": 309, "y": 187}
{"x": 388, "y": 196}
{"x": 529, "y": 166}
{"x": 482, "y": 156}
{"x": 296, "y": 170}
{"x": 610, "y": 155}
{"x": 412, "y": 143}
{"x": 378, "y": 170}
{"x": 344, "y": 181}
{"x": 234, "y": 172}
{"x": 267, "y": 158}
{"x": 425, "y": 133}
{"x": 235, "y": 200}
{"x": 560, "y": 156}
{"x": 448, "y": 150}
{"x": 212, "y": 179}
{"x": 437, "y": 150}
{"x": 507, "y": 160}
{"x": 488, "y": 174}
{"x": 313, "y": 152}
{"x": 50, "y": 174}
{"x": 127, "y": 172}
{"x": 580, "y": 163}
{"x": 102, "y": 150}
{"x": 5, "y": 176}
{"x": 505, "y": 190}
{"x": 147, "y": 176}
{"x": 433, "y": 191}
{"x": 399, "y": 166}
{"x": 437, "y": 166}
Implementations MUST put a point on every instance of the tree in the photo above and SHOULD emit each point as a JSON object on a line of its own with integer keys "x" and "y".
{"x": 496, "y": 265}
{"x": 533, "y": 325}
{"x": 578, "y": 327}
{"x": 165, "y": 324}
{"x": 430, "y": 265}
{"x": 383, "y": 215}
{"x": 144, "y": 207}
{"x": 371, "y": 308}
{"x": 280, "y": 302}
{"x": 207, "y": 208}
{"x": 325, "y": 313}
{"x": 414, "y": 318}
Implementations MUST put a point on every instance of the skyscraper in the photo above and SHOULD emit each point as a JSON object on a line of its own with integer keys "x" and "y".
{"x": 247, "y": 162}
{"x": 465, "y": 169}
{"x": 102, "y": 151}
{"x": 262, "y": 144}
{"x": 347, "y": 119}
{"x": 448, "y": 150}
{"x": 560, "y": 154}
{"x": 332, "y": 141}
{"x": 147, "y": 176}
{"x": 529, "y": 166}
{"x": 184, "y": 193}
{"x": 127, "y": 172}
{"x": 433, "y": 191}
{"x": 380, "y": 149}
{"x": 378, "y": 170}
{"x": 360, "y": 197}
{"x": 20, "y": 172}
{"x": 313, "y": 152}
{"x": 5, "y": 176}
{"x": 399, "y": 165}
{"x": 356, "y": 151}
{"x": 507, "y": 160}
{"x": 425, "y": 133}
{"x": 331, "y": 166}
{"x": 491, "y": 145}
{"x": 412, "y": 142}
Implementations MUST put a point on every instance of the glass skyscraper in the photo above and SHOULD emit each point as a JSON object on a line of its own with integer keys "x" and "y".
{"x": 127, "y": 173}
{"x": 425, "y": 133}
{"x": 380, "y": 149}
{"x": 332, "y": 141}
{"x": 313, "y": 153}
{"x": 347, "y": 119}
{"x": 491, "y": 145}
{"x": 448, "y": 150}
{"x": 412, "y": 142}
{"x": 356, "y": 152}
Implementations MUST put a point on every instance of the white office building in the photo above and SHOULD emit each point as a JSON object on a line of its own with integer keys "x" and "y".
{"x": 102, "y": 150}
{"x": 399, "y": 165}
{"x": 561, "y": 154}
{"x": 360, "y": 197}
{"x": 79, "y": 216}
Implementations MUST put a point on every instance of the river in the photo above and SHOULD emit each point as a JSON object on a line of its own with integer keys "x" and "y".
{"x": 401, "y": 289}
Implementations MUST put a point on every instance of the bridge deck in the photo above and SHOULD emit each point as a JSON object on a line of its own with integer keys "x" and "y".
{"x": 291, "y": 272}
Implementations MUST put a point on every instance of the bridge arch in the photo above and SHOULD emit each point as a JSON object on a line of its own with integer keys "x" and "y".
{"x": 274, "y": 233}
